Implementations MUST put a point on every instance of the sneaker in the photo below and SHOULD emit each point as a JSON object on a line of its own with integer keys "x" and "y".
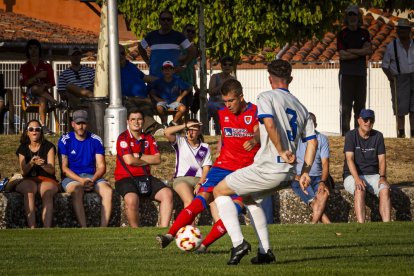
{"x": 202, "y": 249}
{"x": 266, "y": 258}
{"x": 164, "y": 240}
{"x": 237, "y": 253}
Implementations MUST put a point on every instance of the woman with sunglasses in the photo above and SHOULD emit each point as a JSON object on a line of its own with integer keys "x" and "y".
{"x": 36, "y": 157}
{"x": 193, "y": 159}
{"x": 215, "y": 101}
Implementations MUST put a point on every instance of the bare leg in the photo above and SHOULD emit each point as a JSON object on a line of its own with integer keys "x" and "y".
{"x": 10, "y": 101}
{"x": 385, "y": 205}
{"x": 75, "y": 189}
{"x": 161, "y": 112}
{"x": 165, "y": 198}
{"x": 318, "y": 206}
{"x": 42, "y": 110}
{"x": 359, "y": 205}
{"x": 214, "y": 211}
{"x": 180, "y": 112}
{"x": 105, "y": 192}
{"x": 325, "y": 219}
{"x": 29, "y": 189}
{"x": 131, "y": 208}
{"x": 47, "y": 192}
{"x": 185, "y": 192}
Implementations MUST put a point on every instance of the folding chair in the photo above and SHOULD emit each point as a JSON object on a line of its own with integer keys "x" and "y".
{"x": 27, "y": 106}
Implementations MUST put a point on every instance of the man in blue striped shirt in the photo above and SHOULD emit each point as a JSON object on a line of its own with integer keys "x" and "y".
{"x": 77, "y": 81}
{"x": 166, "y": 44}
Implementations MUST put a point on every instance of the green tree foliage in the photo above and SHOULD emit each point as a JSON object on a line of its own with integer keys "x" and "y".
{"x": 237, "y": 27}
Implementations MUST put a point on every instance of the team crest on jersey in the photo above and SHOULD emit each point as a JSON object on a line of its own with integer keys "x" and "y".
{"x": 226, "y": 119}
{"x": 124, "y": 144}
{"x": 248, "y": 119}
{"x": 146, "y": 144}
{"x": 132, "y": 144}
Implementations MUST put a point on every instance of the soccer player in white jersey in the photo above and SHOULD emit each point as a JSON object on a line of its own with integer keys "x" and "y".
{"x": 283, "y": 121}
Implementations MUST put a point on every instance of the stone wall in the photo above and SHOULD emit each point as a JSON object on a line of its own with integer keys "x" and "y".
{"x": 287, "y": 209}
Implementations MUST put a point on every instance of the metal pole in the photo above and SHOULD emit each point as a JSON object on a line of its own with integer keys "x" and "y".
{"x": 115, "y": 99}
{"x": 115, "y": 114}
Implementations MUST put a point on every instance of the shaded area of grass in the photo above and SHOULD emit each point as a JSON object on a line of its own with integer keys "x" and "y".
{"x": 383, "y": 248}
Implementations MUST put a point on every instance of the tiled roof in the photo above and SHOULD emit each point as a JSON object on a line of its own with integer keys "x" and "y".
{"x": 381, "y": 29}
{"x": 16, "y": 27}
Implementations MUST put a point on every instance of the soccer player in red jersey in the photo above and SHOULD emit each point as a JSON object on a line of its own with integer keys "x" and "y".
{"x": 237, "y": 146}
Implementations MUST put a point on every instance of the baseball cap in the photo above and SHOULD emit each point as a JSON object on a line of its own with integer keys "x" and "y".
{"x": 352, "y": 8}
{"x": 367, "y": 113}
{"x": 403, "y": 23}
{"x": 73, "y": 50}
{"x": 167, "y": 64}
{"x": 80, "y": 116}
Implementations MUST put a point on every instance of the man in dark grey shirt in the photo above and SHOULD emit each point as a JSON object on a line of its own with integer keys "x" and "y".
{"x": 365, "y": 166}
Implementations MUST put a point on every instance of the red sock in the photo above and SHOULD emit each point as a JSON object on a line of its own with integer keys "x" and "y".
{"x": 216, "y": 233}
{"x": 187, "y": 216}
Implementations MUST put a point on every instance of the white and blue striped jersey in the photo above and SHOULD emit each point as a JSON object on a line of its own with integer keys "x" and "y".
{"x": 190, "y": 161}
{"x": 84, "y": 77}
{"x": 292, "y": 121}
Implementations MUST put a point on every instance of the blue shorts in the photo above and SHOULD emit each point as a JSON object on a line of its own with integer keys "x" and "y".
{"x": 214, "y": 176}
{"x": 312, "y": 189}
{"x": 67, "y": 181}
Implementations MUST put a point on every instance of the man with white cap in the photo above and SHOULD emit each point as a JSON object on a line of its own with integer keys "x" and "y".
{"x": 83, "y": 165}
{"x": 77, "y": 81}
{"x": 398, "y": 66}
{"x": 169, "y": 92}
{"x": 365, "y": 166}
{"x": 353, "y": 44}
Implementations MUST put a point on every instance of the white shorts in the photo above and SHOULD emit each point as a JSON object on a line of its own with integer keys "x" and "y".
{"x": 370, "y": 180}
{"x": 172, "y": 106}
{"x": 252, "y": 182}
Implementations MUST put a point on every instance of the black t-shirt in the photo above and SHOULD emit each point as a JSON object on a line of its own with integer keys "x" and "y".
{"x": 365, "y": 151}
{"x": 42, "y": 153}
{"x": 348, "y": 39}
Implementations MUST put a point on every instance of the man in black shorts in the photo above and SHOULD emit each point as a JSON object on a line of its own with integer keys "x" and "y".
{"x": 136, "y": 151}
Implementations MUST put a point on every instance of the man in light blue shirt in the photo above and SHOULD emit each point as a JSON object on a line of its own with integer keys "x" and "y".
{"x": 317, "y": 192}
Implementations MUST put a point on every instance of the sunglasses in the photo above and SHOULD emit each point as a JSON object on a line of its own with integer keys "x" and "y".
{"x": 34, "y": 129}
{"x": 167, "y": 19}
{"x": 366, "y": 120}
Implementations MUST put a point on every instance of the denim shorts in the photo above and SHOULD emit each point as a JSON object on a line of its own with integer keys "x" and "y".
{"x": 67, "y": 181}
{"x": 370, "y": 180}
{"x": 312, "y": 189}
{"x": 173, "y": 106}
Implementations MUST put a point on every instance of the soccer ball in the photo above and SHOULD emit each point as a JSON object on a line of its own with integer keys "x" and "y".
{"x": 188, "y": 238}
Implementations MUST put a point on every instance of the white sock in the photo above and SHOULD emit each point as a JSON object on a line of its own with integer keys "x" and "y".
{"x": 258, "y": 220}
{"x": 228, "y": 214}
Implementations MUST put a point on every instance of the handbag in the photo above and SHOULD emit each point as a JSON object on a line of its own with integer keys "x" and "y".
{"x": 144, "y": 187}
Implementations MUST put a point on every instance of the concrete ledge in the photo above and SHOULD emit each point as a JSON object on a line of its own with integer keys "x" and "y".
{"x": 287, "y": 209}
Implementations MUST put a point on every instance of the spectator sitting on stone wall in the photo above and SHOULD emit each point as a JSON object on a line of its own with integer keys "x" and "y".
{"x": 83, "y": 164}
{"x": 37, "y": 164}
{"x": 317, "y": 192}
{"x": 365, "y": 166}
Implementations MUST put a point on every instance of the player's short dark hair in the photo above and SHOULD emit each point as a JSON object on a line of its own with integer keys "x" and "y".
{"x": 166, "y": 11}
{"x": 227, "y": 59}
{"x": 280, "y": 68}
{"x": 231, "y": 85}
{"x": 134, "y": 110}
{"x": 30, "y": 43}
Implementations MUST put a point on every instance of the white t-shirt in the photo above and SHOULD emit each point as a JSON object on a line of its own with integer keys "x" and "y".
{"x": 189, "y": 161}
{"x": 291, "y": 119}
